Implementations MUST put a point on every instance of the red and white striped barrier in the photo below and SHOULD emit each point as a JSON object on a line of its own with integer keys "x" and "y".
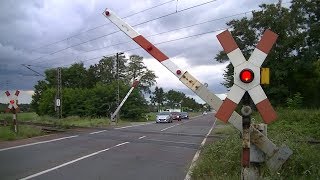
{"x": 144, "y": 43}
{"x": 184, "y": 76}
{"x": 12, "y": 100}
{"x": 134, "y": 85}
{"x": 252, "y": 66}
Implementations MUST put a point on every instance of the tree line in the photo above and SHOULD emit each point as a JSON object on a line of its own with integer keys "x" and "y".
{"x": 92, "y": 91}
{"x": 173, "y": 100}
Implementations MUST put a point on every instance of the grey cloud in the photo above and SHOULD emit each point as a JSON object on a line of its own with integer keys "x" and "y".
{"x": 27, "y": 25}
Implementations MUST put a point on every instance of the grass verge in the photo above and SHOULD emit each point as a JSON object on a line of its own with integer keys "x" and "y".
{"x": 298, "y": 129}
{"x": 25, "y": 131}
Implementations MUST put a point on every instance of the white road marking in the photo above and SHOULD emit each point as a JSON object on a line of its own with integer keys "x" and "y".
{"x": 98, "y": 132}
{"x": 41, "y": 142}
{"x": 142, "y": 137}
{"x": 179, "y": 142}
{"x": 196, "y": 156}
{"x": 73, "y": 161}
{"x": 169, "y": 127}
{"x": 134, "y": 125}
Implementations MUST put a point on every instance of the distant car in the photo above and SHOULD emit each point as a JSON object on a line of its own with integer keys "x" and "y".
{"x": 204, "y": 113}
{"x": 184, "y": 115}
{"x": 164, "y": 117}
{"x": 176, "y": 116}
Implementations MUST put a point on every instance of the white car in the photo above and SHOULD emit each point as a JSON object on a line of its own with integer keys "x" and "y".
{"x": 204, "y": 113}
{"x": 164, "y": 117}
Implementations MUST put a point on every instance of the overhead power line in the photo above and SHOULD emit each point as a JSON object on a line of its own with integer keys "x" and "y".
{"x": 97, "y": 27}
{"x": 184, "y": 27}
{"x": 158, "y": 33}
{"x": 74, "y": 45}
{"x": 132, "y": 49}
{"x": 163, "y": 42}
{"x": 161, "y": 33}
{"x": 27, "y": 66}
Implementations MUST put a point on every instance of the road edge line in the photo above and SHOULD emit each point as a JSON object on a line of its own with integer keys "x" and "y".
{"x": 36, "y": 143}
{"x": 71, "y": 162}
{"x": 196, "y": 156}
{"x": 96, "y": 132}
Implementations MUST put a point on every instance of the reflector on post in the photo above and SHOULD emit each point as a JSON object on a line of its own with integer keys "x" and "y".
{"x": 265, "y": 76}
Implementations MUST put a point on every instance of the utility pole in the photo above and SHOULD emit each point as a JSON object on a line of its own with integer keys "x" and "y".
{"x": 118, "y": 86}
{"x": 58, "y": 98}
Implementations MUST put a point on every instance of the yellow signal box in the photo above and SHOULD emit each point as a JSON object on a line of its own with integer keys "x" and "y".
{"x": 265, "y": 76}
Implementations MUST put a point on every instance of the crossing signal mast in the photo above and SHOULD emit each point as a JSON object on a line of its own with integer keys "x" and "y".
{"x": 13, "y": 107}
{"x": 246, "y": 85}
{"x": 247, "y": 76}
{"x": 247, "y": 81}
{"x": 58, "y": 103}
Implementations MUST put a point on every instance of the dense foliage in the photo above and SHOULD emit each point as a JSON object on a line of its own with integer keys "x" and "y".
{"x": 174, "y": 100}
{"x": 93, "y": 91}
{"x": 294, "y": 61}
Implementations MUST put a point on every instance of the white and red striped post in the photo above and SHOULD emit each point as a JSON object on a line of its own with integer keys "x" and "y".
{"x": 244, "y": 89}
{"x": 13, "y": 107}
{"x": 134, "y": 85}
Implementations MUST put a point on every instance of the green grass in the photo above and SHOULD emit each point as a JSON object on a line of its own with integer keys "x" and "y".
{"x": 7, "y": 133}
{"x": 64, "y": 122}
{"x": 295, "y": 128}
{"x": 224, "y": 130}
{"x": 83, "y": 122}
{"x": 21, "y": 116}
{"x": 220, "y": 160}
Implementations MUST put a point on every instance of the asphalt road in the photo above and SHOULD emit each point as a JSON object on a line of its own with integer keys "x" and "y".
{"x": 149, "y": 151}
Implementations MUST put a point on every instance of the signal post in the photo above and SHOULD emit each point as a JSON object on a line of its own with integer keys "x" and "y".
{"x": 13, "y": 107}
{"x": 246, "y": 85}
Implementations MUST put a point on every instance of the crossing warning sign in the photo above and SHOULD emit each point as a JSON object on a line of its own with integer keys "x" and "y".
{"x": 247, "y": 76}
{"x": 13, "y": 100}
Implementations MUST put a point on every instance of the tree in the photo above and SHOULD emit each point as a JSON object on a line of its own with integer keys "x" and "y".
{"x": 76, "y": 76}
{"x": 158, "y": 97}
{"x": 191, "y": 103}
{"x": 39, "y": 89}
{"x": 137, "y": 68}
{"x": 174, "y": 97}
{"x": 293, "y": 59}
{"x": 106, "y": 70}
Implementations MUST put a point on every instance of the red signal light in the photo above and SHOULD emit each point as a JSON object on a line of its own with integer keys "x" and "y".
{"x": 11, "y": 101}
{"x": 246, "y": 75}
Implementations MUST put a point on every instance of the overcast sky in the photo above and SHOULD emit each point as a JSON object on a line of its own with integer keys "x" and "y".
{"x": 29, "y": 30}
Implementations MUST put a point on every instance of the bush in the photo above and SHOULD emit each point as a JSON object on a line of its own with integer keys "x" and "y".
{"x": 99, "y": 101}
{"x": 295, "y": 102}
